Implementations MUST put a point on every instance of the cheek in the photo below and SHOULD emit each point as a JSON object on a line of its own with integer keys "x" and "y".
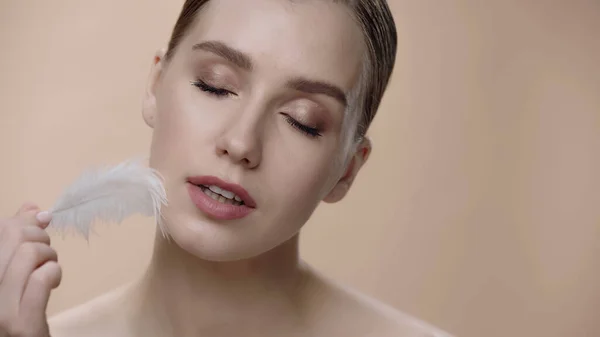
{"x": 180, "y": 125}
{"x": 173, "y": 140}
{"x": 302, "y": 178}
{"x": 166, "y": 138}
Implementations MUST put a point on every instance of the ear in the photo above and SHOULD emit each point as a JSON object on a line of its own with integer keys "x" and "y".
{"x": 359, "y": 158}
{"x": 149, "y": 109}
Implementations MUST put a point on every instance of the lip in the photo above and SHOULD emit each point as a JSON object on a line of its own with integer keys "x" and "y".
{"x": 215, "y": 209}
{"x": 237, "y": 189}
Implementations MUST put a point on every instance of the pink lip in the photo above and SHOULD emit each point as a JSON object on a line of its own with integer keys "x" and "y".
{"x": 217, "y": 209}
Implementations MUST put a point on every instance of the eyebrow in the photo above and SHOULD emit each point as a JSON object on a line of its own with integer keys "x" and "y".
{"x": 318, "y": 87}
{"x": 244, "y": 61}
{"x": 234, "y": 56}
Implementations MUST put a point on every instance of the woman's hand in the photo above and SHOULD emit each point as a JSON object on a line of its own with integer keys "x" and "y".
{"x": 28, "y": 273}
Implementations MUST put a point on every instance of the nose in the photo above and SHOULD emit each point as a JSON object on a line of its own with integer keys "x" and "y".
{"x": 241, "y": 143}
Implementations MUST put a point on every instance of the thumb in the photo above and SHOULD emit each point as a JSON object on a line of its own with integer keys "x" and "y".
{"x": 27, "y": 207}
{"x": 31, "y": 214}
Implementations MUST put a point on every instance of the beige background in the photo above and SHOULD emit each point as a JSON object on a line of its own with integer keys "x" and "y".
{"x": 479, "y": 211}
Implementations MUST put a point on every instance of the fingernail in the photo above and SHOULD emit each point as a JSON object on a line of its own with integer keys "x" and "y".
{"x": 44, "y": 216}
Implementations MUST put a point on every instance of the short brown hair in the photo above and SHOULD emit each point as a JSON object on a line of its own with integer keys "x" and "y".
{"x": 379, "y": 29}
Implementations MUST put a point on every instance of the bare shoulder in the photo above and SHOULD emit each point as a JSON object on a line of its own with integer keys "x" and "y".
{"x": 365, "y": 316}
{"x": 96, "y": 317}
{"x": 392, "y": 322}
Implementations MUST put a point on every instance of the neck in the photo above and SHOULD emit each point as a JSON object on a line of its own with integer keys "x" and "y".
{"x": 195, "y": 297}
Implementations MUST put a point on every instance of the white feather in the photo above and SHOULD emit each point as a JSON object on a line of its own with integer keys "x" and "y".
{"x": 109, "y": 195}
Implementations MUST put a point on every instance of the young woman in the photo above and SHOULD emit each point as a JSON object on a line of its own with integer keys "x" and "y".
{"x": 259, "y": 111}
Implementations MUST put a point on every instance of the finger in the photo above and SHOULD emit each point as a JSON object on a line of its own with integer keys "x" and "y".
{"x": 28, "y": 257}
{"x": 13, "y": 235}
{"x": 44, "y": 219}
{"x": 35, "y": 298}
{"x": 33, "y": 216}
{"x": 25, "y": 207}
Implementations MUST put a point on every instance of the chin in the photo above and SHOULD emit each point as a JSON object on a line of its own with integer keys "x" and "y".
{"x": 216, "y": 242}
{"x": 221, "y": 240}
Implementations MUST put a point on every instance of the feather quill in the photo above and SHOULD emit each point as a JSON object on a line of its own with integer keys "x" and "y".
{"x": 109, "y": 194}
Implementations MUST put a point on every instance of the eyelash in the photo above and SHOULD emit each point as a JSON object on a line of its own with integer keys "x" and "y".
{"x": 311, "y": 132}
{"x": 220, "y": 92}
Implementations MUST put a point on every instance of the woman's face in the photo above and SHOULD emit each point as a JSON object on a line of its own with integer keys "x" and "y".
{"x": 253, "y": 101}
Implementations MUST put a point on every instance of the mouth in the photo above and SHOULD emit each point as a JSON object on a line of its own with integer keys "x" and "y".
{"x": 222, "y": 191}
{"x": 221, "y": 195}
{"x": 219, "y": 199}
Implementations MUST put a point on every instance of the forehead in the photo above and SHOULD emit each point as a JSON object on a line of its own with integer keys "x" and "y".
{"x": 318, "y": 39}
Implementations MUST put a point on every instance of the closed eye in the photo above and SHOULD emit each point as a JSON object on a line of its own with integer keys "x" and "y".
{"x": 307, "y": 130}
{"x": 220, "y": 92}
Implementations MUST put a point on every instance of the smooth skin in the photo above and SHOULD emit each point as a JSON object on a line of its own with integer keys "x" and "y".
{"x": 244, "y": 122}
